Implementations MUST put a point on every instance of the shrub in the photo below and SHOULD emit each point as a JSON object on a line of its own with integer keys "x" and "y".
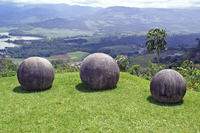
{"x": 135, "y": 70}
{"x": 148, "y": 72}
{"x": 191, "y": 75}
{"x": 7, "y": 68}
{"x": 122, "y": 62}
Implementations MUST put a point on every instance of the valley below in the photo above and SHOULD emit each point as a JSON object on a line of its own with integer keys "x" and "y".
{"x": 65, "y": 35}
{"x": 113, "y": 30}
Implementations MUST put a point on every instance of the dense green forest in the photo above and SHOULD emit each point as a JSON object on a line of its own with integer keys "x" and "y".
{"x": 187, "y": 64}
{"x": 57, "y": 46}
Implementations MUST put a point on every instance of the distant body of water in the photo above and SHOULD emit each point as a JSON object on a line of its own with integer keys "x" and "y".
{"x": 4, "y": 44}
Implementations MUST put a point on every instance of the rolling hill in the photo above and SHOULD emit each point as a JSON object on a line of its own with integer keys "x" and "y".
{"x": 123, "y": 19}
{"x": 115, "y": 19}
{"x": 142, "y": 19}
{"x": 68, "y": 106}
{"x": 22, "y": 14}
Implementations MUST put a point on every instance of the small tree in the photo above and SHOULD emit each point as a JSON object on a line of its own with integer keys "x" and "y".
{"x": 122, "y": 62}
{"x": 157, "y": 41}
{"x": 135, "y": 70}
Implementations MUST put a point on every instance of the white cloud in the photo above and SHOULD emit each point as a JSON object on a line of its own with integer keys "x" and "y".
{"x": 129, "y": 3}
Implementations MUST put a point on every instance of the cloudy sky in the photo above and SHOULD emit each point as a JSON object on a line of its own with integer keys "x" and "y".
{"x": 128, "y": 3}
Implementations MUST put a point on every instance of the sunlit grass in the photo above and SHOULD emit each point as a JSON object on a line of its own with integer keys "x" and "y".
{"x": 70, "y": 107}
{"x": 78, "y": 55}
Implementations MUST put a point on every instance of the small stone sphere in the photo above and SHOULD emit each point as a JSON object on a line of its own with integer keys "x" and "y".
{"x": 99, "y": 71}
{"x": 35, "y": 73}
{"x": 168, "y": 86}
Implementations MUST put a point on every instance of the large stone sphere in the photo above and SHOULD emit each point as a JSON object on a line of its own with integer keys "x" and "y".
{"x": 168, "y": 86}
{"x": 35, "y": 73}
{"x": 99, "y": 71}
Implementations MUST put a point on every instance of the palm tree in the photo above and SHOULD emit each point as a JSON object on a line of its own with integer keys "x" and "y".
{"x": 157, "y": 41}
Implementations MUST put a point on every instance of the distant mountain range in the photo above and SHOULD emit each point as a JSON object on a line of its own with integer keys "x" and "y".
{"x": 41, "y": 12}
{"x": 118, "y": 19}
{"x": 142, "y": 19}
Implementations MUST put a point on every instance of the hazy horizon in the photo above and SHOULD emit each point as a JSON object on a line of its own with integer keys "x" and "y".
{"x": 126, "y": 3}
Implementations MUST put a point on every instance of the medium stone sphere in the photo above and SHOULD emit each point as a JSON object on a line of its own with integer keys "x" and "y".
{"x": 35, "y": 73}
{"x": 99, "y": 71}
{"x": 168, "y": 86}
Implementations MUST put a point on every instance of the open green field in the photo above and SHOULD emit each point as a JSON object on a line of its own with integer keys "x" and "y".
{"x": 60, "y": 32}
{"x": 143, "y": 60}
{"x": 118, "y": 49}
{"x": 72, "y": 57}
{"x": 78, "y": 55}
{"x": 70, "y": 107}
{"x": 20, "y": 60}
{"x": 17, "y": 61}
{"x": 92, "y": 39}
{"x": 6, "y": 29}
{"x": 123, "y": 47}
{"x": 134, "y": 33}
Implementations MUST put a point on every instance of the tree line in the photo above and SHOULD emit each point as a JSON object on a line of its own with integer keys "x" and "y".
{"x": 56, "y": 46}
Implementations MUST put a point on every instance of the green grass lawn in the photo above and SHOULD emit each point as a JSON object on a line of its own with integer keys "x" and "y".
{"x": 121, "y": 48}
{"x": 70, "y": 107}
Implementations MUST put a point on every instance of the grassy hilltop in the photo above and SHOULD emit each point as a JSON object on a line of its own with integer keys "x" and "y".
{"x": 70, "y": 107}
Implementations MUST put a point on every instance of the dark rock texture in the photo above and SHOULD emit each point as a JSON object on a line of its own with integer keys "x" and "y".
{"x": 168, "y": 86}
{"x": 99, "y": 71}
{"x": 35, "y": 73}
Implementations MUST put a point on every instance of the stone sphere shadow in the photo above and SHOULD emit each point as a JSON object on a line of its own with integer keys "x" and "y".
{"x": 153, "y": 101}
{"x": 82, "y": 88}
{"x": 19, "y": 89}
